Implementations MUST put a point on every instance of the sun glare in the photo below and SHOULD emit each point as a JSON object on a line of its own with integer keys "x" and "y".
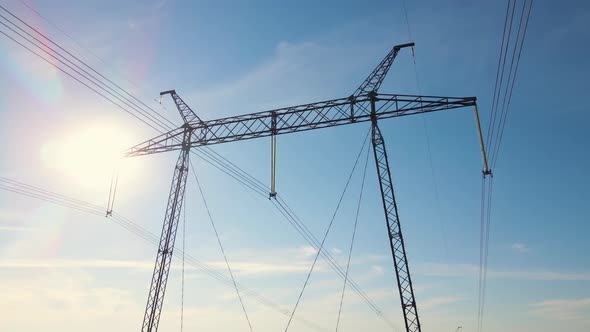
{"x": 87, "y": 156}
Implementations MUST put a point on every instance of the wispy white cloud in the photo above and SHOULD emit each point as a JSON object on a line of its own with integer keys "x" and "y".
{"x": 266, "y": 268}
{"x": 472, "y": 271}
{"x": 238, "y": 267}
{"x": 295, "y": 73}
{"x": 520, "y": 248}
{"x": 271, "y": 267}
{"x": 378, "y": 269}
{"x": 307, "y": 251}
{"x": 52, "y": 297}
{"x": 439, "y": 301}
{"x": 564, "y": 309}
{"x": 11, "y": 215}
{"x": 18, "y": 229}
{"x": 58, "y": 297}
{"x": 72, "y": 263}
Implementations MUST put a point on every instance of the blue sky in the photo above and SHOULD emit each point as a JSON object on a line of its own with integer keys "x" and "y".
{"x": 73, "y": 271}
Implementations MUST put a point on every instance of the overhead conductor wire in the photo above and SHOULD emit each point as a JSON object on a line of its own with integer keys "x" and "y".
{"x": 356, "y": 219}
{"x": 221, "y": 246}
{"x": 498, "y": 116}
{"x": 441, "y": 223}
{"x": 507, "y": 105}
{"x": 183, "y": 258}
{"x": 128, "y": 105}
{"x": 319, "y": 250}
{"x": 52, "y": 197}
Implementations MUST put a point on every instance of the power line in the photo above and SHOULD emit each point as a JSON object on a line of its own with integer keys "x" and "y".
{"x": 284, "y": 209}
{"x": 486, "y": 218}
{"x": 82, "y": 47}
{"x": 356, "y": 219}
{"x": 493, "y": 112}
{"x": 302, "y": 229}
{"x": 501, "y": 83}
{"x": 221, "y": 246}
{"x": 81, "y": 82}
{"x": 509, "y": 80}
{"x": 206, "y": 154}
{"x": 281, "y": 205}
{"x": 486, "y": 250}
{"x": 319, "y": 250}
{"x": 71, "y": 65}
{"x": 79, "y": 205}
{"x": 500, "y": 102}
{"x": 499, "y": 142}
{"x": 211, "y": 154}
{"x": 183, "y": 257}
{"x": 482, "y": 243}
{"x": 77, "y": 58}
{"x": 441, "y": 223}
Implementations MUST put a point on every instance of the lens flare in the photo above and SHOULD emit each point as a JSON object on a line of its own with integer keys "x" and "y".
{"x": 39, "y": 79}
{"x": 85, "y": 157}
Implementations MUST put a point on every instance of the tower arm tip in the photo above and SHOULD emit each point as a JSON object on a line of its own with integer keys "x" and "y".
{"x": 397, "y": 47}
{"x": 167, "y": 92}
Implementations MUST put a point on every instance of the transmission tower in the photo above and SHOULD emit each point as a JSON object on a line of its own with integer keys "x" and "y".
{"x": 364, "y": 105}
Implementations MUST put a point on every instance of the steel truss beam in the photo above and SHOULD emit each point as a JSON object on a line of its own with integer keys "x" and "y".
{"x": 330, "y": 113}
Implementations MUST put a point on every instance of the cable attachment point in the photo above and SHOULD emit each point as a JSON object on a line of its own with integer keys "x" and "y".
{"x": 486, "y": 169}
{"x": 112, "y": 191}
{"x": 273, "y": 157}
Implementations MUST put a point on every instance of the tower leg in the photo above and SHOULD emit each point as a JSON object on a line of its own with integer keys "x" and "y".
{"x": 396, "y": 240}
{"x": 155, "y": 300}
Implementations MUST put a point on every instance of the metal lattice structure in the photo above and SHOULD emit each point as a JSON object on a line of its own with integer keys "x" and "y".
{"x": 394, "y": 232}
{"x": 375, "y": 79}
{"x": 364, "y": 105}
{"x": 155, "y": 300}
{"x": 187, "y": 114}
{"x": 335, "y": 112}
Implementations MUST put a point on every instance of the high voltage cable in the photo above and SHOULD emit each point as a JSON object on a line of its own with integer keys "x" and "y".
{"x": 117, "y": 96}
{"x": 509, "y": 80}
{"x": 31, "y": 191}
{"x": 238, "y": 173}
{"x": 321, "y": 247}
{"x": 87, "y": 50}
{"x": 259, "y": 188}
{"x": 76, "y": 58}
{"x": 486, "y": 210}
{"x": 356, "y": 219}
{"x": 492, "y": 120}
{"x": 499, "y": 142}
{"x": 500, "y": 103}
{"x": 481, "y": 248}
{"x": 231, "y": 274}
{"x": 302, "y": 229}
{"x": 75, "y": 68}
{"x": 486, "y": 251}
{"x": 211, "y": 154}
{"x": 496, "y": 102}
{"x": 314, "y": 242}
{"x": 79, "y": 81}
{"x": 69, "y": 63}
{"x": 183, "y": 257}
{"x": 485, "y": 222}
{"x": 207, "y": 154}
{"x": 427, "y": 136}
{"x": 58, "y": 199}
